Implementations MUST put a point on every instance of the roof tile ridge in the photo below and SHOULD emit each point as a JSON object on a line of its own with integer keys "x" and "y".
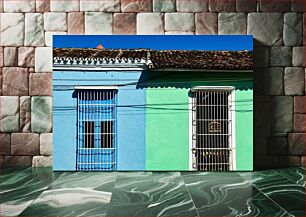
{"x": 149, "y": 61}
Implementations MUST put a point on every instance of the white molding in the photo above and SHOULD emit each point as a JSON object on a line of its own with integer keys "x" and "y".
{"x": 191, "y": 155}
{"x": 96, "y": 87}
{"x": 99, "y": 68}
{"x": 213, "y": 88}
{"x": 233, "y": 139}
{"x": 202, "y": 70}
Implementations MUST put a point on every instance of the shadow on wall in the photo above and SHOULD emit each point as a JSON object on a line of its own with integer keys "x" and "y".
{"x": 187, "y": 80}
{"x": 264, "y": 157}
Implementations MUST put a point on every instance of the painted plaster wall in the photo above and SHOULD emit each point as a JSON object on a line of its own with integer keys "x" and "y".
{"x": 130, "y": 117}
{"x": 64, "y": 116}
{"x": 167, "y": 129}
{"x": 167, "y": 133}
{"x": 244, "y": 129}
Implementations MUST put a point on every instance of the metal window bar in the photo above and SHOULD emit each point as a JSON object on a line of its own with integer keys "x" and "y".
{"x": 96, "y": 130}
{"x": 212, "y": 129}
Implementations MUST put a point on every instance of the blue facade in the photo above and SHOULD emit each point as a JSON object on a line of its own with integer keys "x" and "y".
{"x": 130, "y": 120}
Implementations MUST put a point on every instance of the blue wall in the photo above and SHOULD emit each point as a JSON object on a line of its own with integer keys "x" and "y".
{"x": 131, "y": 124}
{"x": 130, "y": 119}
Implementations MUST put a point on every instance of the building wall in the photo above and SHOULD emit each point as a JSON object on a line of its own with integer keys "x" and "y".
{"x": 167, "y": 129}
{"x": 152, "y": 117}
{"x": 130, "y": 120}
{"x": 26, "y": 64}
{"x": 168, "y": 117}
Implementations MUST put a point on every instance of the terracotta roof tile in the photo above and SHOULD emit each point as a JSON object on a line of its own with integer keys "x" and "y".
{"x": 157, "y": 59}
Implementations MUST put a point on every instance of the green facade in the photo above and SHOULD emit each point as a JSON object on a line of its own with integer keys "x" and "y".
{"x": 167, "y": 117}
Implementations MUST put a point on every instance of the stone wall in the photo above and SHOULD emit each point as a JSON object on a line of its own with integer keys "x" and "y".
{"x": 26, "y": 64}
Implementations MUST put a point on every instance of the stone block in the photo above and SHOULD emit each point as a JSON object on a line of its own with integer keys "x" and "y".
{"x": 42, "y": 5}
{"x": 46, "y": 144}
{"x": 64, "y": 5}
{"x": 278, "y": 145}
{"x": 124, "y": 23}
{"x": 9, "y": 114}
{"x": 232, "y": 23}
{"x": 298, "y": 6}
{"x": 25, "y": 114}
{"x": 43, "y": 59}
{"x": 98, "y": 23}
{"x": 101, "y": 5}
{"x": 17, "y": 161}
{"x": 299, "y": 123}
{"x": 263, "y": 99}
{"x": 299, "y": 104}
{"x": 1, "y": 81}
{"x": 296, "y": 143}
{"x": 163, "y": 5}
{"x": 41, "y": 114}
{"x": 1, "y": 157}
{"x": 136, "y": 5}
{"x": 12, "y": 24}
{"x": 19, "y": 6}
{"x": 179, "y": 22}
{"x": 206, "y": 23}
{"x": 26, "y": 57}
{"x": 222, "y": 6}
{"x": 303, "y": 161}
{"x": 179, "y": 33}
{"x": 15, "y": 81}
{"x": 294, "y": 81}
{"x": 260, "y": 146}
{"x": 76, "y": 23}
{"x": 1, "y": 56}
{"x": 289, "y": 161}
{"x": 298, "y": 56}
{"x": 265, "y": 162}
{"x": 304, "y": 29}
{"x": 5, "y": 144}
{"x": 267, "y": 28}
{"x": 154, "y": 19}
{"x": 272, "y": 6}
{"x": 40, "y": 84}
{"x": 258, "y": 80}
{"x": 261, "y": 57}
{"x": 191, "y": 6}
{"x": 24, "y": 144}
{"x": 262, "y": 120}
{"x": 42, "y": 161}
{"x": 55, "y": 21}
{"x": 49, "y": 37}
{"x": 293, "y": 29}
{"x": 34, "y": 30}
{"x": 274, "y": 81}
{"x": 246, "y": 5}
{"x": 280, "y": 56}
{"x": 10, "y": 56}
{"x": 282, "y": 114}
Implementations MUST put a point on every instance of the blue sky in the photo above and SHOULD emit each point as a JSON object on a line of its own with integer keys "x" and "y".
{"x": 157, "y": 42}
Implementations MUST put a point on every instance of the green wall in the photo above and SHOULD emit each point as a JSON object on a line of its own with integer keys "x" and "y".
{"x": 167, "y": 117}
{"x": 167, "y": 132}
{"x": 244, "y": 129}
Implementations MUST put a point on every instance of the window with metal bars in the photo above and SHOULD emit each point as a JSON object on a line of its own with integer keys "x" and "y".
{"x": 96, "y": 129}
{"x": 212, "y": 130}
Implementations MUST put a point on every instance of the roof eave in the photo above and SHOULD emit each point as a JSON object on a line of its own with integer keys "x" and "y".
{"x": 100, "y": 67}
{"x": 200, "y": 70}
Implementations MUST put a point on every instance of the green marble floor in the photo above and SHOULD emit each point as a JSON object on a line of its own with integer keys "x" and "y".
{"x": 41, "y": 192}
